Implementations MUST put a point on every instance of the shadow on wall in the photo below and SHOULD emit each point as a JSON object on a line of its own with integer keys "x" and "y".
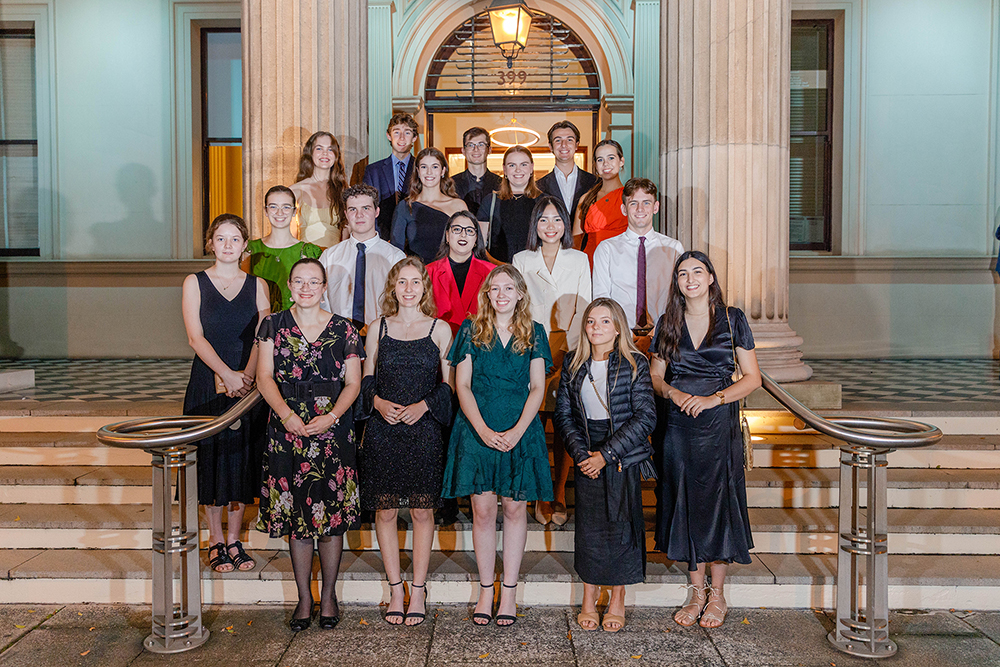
{"x": 139, "y": 234}
{"x": 34, "y": 306}
{"x": 996, "y": 294}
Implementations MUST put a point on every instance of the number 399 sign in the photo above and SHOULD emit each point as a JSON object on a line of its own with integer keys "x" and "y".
{"x": 509, "y": 77}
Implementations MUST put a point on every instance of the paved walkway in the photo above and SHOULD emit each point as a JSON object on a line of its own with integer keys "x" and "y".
{"x": 258, "y": 636}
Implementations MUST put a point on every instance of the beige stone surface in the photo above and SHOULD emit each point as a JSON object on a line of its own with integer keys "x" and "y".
{"x": 304, "y": 69}
{"x": 725, "y": 151}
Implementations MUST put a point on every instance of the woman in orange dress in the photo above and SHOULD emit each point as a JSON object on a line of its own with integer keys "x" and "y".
{"x": 599, "y": 215}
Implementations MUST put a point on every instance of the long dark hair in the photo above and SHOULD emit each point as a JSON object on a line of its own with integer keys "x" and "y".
{"x": 446, "y": 184}
{"x": 478, "y": 248}
{"x": 590, "y": 197}
{"x": 534, "y": 243}
{"x": 338, "y": 177}
{"x": 673, "y": 320}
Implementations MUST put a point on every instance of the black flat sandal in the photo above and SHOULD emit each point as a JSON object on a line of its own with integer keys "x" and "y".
{"x": 507, "y": 617}
{"x": 221, "y": 558}
{"x": 421, "y": 615}
{"x": 395, "y": 614}
{"x": 241, "y": 558}
{"x": 485, "y": 618}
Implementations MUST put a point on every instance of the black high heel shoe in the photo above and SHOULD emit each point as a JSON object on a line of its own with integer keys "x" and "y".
{"x": 510, "y": 620}
{"x": 485, "y": 618}
{"x": 330, "y": 622}
{"x": 395, "y": 614}
{"x": 299, "y": 624}
{"x": 420, "y": 616}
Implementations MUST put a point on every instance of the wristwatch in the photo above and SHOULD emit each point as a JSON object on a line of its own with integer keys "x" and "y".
{"x": 722, "y": 397}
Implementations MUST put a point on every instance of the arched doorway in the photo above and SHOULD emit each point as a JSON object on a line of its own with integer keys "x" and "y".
{"x": 468, "y": 84}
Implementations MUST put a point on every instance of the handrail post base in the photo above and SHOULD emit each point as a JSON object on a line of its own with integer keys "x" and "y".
{"x": 176, "y": 619}
{"x": 883, "y": 649}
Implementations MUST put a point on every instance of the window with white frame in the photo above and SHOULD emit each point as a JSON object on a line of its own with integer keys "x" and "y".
{"x": 18, "y": 141}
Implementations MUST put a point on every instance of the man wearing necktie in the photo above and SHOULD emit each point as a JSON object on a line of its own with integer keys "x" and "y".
{"x": 392, "y": 175}
{"x": 635, "y": 268}
{"x": 356, "y": 269}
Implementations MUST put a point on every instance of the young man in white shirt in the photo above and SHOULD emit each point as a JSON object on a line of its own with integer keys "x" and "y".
{"x": 350, "y": 293}
{"x": 566, "y": 180}
{"x": 619, "y": 267}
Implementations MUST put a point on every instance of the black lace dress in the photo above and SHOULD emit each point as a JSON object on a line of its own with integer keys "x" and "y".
{"x": 401, "y": 465}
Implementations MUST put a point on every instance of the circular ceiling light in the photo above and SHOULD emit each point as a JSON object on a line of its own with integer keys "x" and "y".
{"x": 514, "y": 132}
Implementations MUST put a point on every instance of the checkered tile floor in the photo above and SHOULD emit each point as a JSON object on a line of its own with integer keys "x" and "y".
{"x": 103, "y": 379}
{"x": 910, "y": 380}
{"x": 881, "y": 380}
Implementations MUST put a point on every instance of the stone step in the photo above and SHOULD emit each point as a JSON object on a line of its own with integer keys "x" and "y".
{"x": 766, "y": 487}
{"x": 775, "y": 530}
{"x": 772, "y": 450}
{"x": 61, "y": 576}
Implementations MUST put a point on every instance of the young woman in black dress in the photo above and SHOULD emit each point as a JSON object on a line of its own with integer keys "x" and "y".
{"x": 222, "y": 306}
{"x": 605, "y": 414}
{"x": 402, "y": 460}
{"x": 309, "y": 372}
{"x": 702, "y": 514}
{"x": 419, "y": 223}
{"x": 506, "y": 214}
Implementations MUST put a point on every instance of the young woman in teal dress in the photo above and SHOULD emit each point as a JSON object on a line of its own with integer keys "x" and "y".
{"x": 497, "y": 446}
{"x": 272, "y": 257}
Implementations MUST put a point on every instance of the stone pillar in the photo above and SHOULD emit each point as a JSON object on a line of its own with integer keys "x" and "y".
{"x": 724, "y": 156}
{"x": 305, "y": 68}
{"x": 380, "y": 65}
{"x": 646, "y": 68}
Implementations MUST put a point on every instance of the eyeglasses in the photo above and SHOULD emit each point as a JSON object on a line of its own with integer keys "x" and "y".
{"x": 284, "y": 208}
{"x": 298, "y": 283}
{"x": 480, "y": 145}
{"x": 468, "y": 231}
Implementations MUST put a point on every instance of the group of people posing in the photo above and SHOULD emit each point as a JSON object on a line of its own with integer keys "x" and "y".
{"x": 416, "y": 359}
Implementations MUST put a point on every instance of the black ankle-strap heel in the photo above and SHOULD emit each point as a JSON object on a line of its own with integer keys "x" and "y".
{"x": 485, "y": 618}
{"x": 511, "y": 620}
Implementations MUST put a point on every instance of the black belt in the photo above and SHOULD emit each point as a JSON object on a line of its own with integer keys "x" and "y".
{"x": 305, "y": 391}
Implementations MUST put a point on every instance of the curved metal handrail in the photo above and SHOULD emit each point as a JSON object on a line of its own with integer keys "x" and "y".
{"x": 130, "y": 434}
{"x": 908, "y": 433}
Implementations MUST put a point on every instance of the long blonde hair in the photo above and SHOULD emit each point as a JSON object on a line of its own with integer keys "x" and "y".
{"x": 389, "y": 302}
{"x": 623, "y": 343}
{"x": 485, "y": 320}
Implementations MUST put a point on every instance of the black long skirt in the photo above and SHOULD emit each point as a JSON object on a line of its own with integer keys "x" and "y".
{"x": 610, "y": 542}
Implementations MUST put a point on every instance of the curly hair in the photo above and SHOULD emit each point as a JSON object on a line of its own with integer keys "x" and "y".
{"x": 338, "y": 175}
{"x": 484, "y": 322}
{"x": 390, "y": 303}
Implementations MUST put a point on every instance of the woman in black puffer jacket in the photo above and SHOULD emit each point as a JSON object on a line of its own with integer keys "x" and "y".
{"x": 605, "y": 415}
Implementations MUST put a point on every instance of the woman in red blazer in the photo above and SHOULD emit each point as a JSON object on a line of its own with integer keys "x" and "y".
{"x": 458, "y": 272}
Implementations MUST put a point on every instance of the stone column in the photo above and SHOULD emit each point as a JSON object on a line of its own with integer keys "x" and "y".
{"x": 646, "y": 124}
{"x": 305, "y": 68}
{"x": 724, "y": 156}
{"x": 380, "y": 105}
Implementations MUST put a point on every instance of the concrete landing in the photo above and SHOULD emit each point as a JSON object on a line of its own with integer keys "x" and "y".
{"x": 258, "y": 635}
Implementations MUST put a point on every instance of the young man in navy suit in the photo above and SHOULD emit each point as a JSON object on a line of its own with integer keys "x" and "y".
{"x": 392, "y": 175}
{"x": 566, "y": 180}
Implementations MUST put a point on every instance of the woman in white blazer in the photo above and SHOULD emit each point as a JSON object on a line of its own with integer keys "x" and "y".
{"x": 559, "y": 287}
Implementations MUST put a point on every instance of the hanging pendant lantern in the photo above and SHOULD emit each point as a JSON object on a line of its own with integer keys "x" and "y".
{"x": 509, "y": 22}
